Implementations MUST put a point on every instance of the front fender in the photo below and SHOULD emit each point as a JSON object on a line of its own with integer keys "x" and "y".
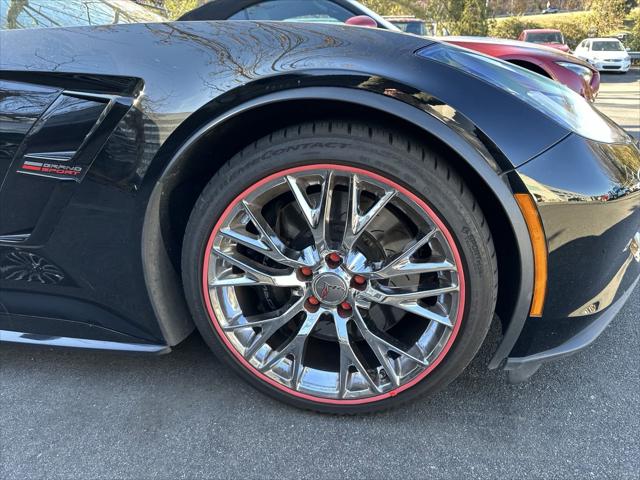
{"x": 162, "y": 278}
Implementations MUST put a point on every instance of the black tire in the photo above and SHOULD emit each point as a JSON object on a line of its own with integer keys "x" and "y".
{"x": 404, "y": 160}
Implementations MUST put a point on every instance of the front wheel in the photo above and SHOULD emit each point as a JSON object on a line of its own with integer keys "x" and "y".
{"x": 340, "y": 267}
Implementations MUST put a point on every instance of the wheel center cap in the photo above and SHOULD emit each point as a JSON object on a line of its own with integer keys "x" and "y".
{"x": 330, "y": 289}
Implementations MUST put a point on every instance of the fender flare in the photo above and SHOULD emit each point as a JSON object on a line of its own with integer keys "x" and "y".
{"x": 162, "y": 280}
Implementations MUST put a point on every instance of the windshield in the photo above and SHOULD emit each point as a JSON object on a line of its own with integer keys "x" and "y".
{"x": 314, "y": 11}
{"x": 294, "y": 11}
{"x": 545, "y": 37}
{"x": 608, "y": 46}
{"x": 417, "y": 28}
{"x": 18, "y": 14}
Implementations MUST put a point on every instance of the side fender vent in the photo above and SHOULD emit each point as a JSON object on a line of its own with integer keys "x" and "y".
{"x": 69, "y": 135}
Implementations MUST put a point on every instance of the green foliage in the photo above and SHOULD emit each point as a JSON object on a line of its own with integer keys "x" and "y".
{"x": 175, "y": 8}
{"x": 511, "y": 27}
{"x": 634, "y": 41}
{"x": 447, "y": 14}
{"x": 460, "y": 17}
{"x": 474, "y": 19}
{"x": 606, "y": 16}
{"x": 575, "y": 27}
{"x": 391, "y": 7}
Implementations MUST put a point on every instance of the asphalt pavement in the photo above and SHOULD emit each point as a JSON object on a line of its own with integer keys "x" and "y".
{"x": 90, "y": 415}
{"x": 619, "y": 98}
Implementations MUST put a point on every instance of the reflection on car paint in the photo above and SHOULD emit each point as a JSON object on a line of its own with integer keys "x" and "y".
{"x": 608, "y": 294}
{"x": 25, "y": 266}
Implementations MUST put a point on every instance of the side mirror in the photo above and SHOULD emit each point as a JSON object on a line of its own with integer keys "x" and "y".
{"x": 362, "y": 21}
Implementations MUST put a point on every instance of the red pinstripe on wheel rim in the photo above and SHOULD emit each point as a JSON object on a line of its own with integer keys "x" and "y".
{"x": 354, "y": 170}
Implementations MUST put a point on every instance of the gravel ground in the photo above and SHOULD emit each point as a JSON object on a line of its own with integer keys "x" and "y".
{"x": 79, "y": 414}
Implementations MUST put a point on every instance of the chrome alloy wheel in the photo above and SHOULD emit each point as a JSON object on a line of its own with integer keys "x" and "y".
{"x": 333, "y": 284}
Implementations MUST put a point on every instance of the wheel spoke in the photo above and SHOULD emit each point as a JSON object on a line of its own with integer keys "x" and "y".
{"x": 379, "y": 342}
{"x": 254, "y": 273}
{"x": 269, "y": 326}
{"x": 409, "y": 300}
{"x": 392, "y": 297}
{"x": 317, "y": 217}
{"x": 279, "y": 317}
{"x": 348, "y": 357}
{"x": 404, "y": 265}
{"x": 268, "y": 243}
{"x": 295, "y": 347}
{"x": 381, "y": 349}
{"x": 427, "y": 313}
{"x": 357, "y": 223}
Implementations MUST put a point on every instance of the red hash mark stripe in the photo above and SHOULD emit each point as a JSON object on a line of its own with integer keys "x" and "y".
{"x": 31, "y": 167}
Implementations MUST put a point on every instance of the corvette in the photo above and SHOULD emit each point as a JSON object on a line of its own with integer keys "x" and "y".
{"x": 340, "y": 212}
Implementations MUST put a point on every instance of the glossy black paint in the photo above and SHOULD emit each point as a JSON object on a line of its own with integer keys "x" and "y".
{"x": 21, "y": 104}
{"x": 588, "y": 196}
{"x": 110, "y": 239}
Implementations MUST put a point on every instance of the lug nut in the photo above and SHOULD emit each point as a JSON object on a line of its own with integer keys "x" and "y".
{"x": 333, "y": 259}
{"x": 359, "y": 279}
{"x": 358, "y": 282}
{"x": 306, "y": 271}
{"x": 345, "y": 310}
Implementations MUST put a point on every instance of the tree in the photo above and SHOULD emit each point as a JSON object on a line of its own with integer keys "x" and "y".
{"x": 460, "y": 17}
{"x": 606, "y": 16}
{"x": 511, "y": 27}
{"x": 176, "y": 8}
{"x": 634, "y": 42}
{"x": 390, "y": 7}
{"x": 446, "y": 14}
{"x": 474, "y": 19}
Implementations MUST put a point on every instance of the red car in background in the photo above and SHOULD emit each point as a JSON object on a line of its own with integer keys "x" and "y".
{"x": 548, "y": 37}
{"x": 578, "y": 75}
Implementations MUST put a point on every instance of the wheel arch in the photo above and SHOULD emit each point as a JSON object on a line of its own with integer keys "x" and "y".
{"x": 193, "y": 164}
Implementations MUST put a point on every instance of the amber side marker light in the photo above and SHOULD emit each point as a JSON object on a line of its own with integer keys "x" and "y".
{"x": 539, "y": 244}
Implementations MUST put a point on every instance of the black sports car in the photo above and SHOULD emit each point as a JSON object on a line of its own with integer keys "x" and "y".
{"x": 339, "y": 211}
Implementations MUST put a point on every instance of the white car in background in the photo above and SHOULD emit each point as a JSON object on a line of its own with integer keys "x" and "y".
{"x": 606, "y": 54}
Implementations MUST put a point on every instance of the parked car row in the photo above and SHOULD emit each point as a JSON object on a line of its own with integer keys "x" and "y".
{"x": 604, "y": 54}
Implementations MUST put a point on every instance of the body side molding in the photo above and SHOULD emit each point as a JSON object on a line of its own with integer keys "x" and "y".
{"x": 51, "y": 341}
